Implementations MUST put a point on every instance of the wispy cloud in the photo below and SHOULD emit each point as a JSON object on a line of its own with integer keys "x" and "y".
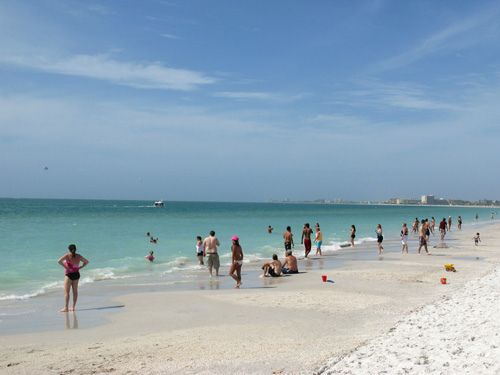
{"x": 453, "y": 38}
{"x": 244, "y": 95}
{"x": 399, "y": 95}
{"x": 101, "y": 9}
{"x": 132, "y": 74}
{"x": 169, "y": 36}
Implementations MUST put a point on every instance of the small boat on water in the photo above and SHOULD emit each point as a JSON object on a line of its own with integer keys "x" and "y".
{"x": 159, "y": 203}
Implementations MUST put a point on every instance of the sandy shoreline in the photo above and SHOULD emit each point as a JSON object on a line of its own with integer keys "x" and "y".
{"x": 294, "y": 325}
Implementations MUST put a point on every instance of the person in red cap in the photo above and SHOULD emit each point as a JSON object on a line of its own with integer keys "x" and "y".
{"x": 237, "y": 261}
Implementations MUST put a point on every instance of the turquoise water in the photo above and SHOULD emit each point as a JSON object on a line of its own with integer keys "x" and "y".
{"x": 35, "y": 233}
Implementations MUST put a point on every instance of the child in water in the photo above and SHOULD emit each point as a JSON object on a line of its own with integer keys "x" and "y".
{"x": 150, "y": 257}
{"x": 476, "y": 239}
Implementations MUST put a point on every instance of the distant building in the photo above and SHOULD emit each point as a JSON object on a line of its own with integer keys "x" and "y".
{"x": 428, "y": 199}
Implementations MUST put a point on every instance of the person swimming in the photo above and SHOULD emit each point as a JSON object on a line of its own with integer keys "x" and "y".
{"x": 150, "y": 257}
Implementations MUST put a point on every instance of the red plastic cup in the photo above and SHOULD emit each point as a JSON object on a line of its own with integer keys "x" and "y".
{"x": 324, "y": 278}
{"x": 443, "y": 280}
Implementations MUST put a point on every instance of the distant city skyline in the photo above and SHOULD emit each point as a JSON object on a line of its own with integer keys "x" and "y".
{"x": 246, "y": 101}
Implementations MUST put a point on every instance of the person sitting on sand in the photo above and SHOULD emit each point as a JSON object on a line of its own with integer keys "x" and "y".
{"x": 71, "y": 263}
{"x": 272, "y": 268}
{"x": 150, "y": 257}
{"x": 237, "y": 261}
{"x": 290, "y": 264}
{"x": 476, "y": 239}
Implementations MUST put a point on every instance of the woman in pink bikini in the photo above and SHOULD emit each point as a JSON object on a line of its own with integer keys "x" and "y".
{"x": 71, "y": 263}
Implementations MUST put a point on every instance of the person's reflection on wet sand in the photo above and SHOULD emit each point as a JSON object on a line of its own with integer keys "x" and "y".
{"x": 75, "y": 320}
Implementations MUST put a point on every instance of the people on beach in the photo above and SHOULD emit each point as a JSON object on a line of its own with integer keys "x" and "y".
{"x": 380, "y": 238}
{"x": 421, "y": 239}
{"x": 442, "y": 228}
{"x": 477, "y": 217}
{"x": 404, "y": 238}
{"x": 433, "y": 224}
{"x": 199, "y": 250}
{"x": 210, "y": 251}
{"x": 492, "y": 216}
{"x": 237, "y": 261}
{"x": 476, "y": 239}
{"x": 150, "y": 256}
{"x": 459, "y": 225}
{"x": 272, "y": 268}
{"x": 306, "y": 238}
{"x": 71, "y": 263}
{"x": 353, "y": 234}
{"x": 270, "y": 229}
{"x": 319, "y": 241}
{"x": 290, "y": 264}
{"x": 288, "y": 236}
{"x": 449, "y": 224}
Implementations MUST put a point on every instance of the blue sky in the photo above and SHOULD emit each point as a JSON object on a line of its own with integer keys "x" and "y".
{"x": 249, "y": 100}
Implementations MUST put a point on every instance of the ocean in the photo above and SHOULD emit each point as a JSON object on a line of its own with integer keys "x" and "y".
{"x": 35, "y": 233}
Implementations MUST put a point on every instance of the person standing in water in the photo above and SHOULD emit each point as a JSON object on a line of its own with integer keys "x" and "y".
{"x": 237, "y": 261}
{"x": 404, "y": 238}
{"x": 210, "y": 251}
{"x": 288, "y": 236}
{"x": 319, "y": 241}
{"x": 71, "y": 263}
{"x": 380, "y": 238}
{"x": 353, "y": 234}
{"x": 459, "y": 223}
{"x": 199, "y": 250}
{"x": 306, "y": 238}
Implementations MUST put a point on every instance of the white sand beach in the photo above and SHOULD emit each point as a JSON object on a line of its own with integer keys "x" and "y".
{"x": 386, "y": 315}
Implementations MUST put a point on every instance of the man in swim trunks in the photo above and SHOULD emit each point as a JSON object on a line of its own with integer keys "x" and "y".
{"x": 210, "y": 251}
{"x": 306, "y": 238}
{"x": 290, "y": 264}
{"x": 288, "y": 236}
{"x": 272, "y": 268}
{"x": 442, "y": 228}
{"x": 270, "y": 229}
{"x": 422, "y": 241}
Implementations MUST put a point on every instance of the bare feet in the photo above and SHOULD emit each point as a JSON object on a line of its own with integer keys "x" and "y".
{"x": 71, "y": 309}
{"x": 64, "y": 310}
{"x": 238, "y": 285}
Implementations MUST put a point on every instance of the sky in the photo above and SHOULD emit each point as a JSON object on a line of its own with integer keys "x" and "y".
{"x": 249, "y": 100}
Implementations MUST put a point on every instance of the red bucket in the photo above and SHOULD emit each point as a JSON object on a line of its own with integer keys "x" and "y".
{"x": 443, "y": 280}
{"x": 324, "y": 278}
